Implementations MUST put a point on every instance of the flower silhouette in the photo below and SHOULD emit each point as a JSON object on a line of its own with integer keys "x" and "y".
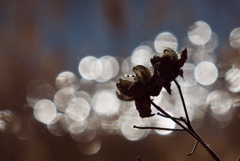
{"x": 140, "y": 90}
{"x": 145, "y": 84}
{"x": 169, "y": 66}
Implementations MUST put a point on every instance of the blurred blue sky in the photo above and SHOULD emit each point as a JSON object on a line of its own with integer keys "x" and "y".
{"x": 88, "y": 27}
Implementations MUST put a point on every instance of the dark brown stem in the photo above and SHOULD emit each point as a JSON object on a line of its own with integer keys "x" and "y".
{"x": 184, "y": 105}
{"x": 190, "y": 125}
{"x": 158, "y": 128}
{"x": 190, "y": 131}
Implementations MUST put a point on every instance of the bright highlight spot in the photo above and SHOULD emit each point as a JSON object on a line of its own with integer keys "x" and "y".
{"x": 90, "y": 68}
{"x": 110, "y": 68}
{"x": 234, "y": 38}
{"x": 162, "y": 122}
{"x": 232, "y": 78}
{"x": 101, "y": 70}
{"x": 61, "y": 99}
{"x": 45, "y": 111}
{"x": 206, "y": 73}
{"x": 219, "y": 101}
{"x": 67, "y": 80}
{"x": 9, "y": 122}
{"x": 141, "y": 56}
{"x": 199, "y": 33}
{"x": 78, "y": 109}
{"x": 131, "y": 133}
{"x": 105, "y": 102}
{"x": 165, "y": 40}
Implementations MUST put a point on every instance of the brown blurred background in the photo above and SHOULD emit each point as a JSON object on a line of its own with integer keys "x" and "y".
{"x": 40, "y": 39}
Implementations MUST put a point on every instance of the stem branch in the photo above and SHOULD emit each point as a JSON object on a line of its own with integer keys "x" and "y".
{"x": 158, "y": 128}
{"x": 190, "y": 130}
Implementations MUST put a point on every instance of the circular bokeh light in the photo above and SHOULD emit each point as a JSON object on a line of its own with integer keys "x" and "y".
{"x": 45, "y": 111}
{"x": 232, "y": 78}
{"x": 131, "y": 133}
{"x": 105, "y": 102}
{"x": 141, "y": 56}
{"x": 67, "y": 80}
{"x": 165, "y": 40}
{"x": 206, "y": 73}
{"x": 199, "y": 33}
{"x": 234, "y": 38}
{"x": 217, "y": 103}
{"x": 90, "y": 68}
{"x": 78, "y": 109}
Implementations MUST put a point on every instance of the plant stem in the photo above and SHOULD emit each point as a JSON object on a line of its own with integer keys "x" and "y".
{"x": 183, "y": 102}
{"x": 194, "y": 148}
{"x": 190, "y": 125}
{"x": 158, "y": 128}
{"x": 189, "y": 128}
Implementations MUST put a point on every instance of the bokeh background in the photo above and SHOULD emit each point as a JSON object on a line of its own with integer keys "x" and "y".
{"x": 60, "y": 60}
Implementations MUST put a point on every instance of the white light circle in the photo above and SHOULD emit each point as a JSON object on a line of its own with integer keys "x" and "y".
{"x": 90, "y": 68}
{"x": 220, "y": 101}
{"x": 105, "y": 102}
{"x": 199, "y": 33}
{"x": 234, "y": 38}
{"x": 206, "y": 73}
{"x": 165, "y": 40}
{"x": 110, "y": 68}
{"x": 131, "y": 133}
{"x": 45, "y": 111}
{"x": 232, "y": 78}
{"x": 61, "y": 99}
{"x": 78, "y": 109}
{"x": 67, "y": 80}
{"x": 141, "y": 55}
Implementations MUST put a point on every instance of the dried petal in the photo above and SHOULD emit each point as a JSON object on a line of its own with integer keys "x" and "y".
{"x": 143, "y": 105}
{"x": 169, "y": 66}
{"x": 183, "y": 58}
{"x": 143, "y": 75}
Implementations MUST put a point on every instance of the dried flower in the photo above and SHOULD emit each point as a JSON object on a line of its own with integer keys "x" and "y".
{"x": 169, "y": 66}
{"x": 140, "y": 90}
{"x": 145, "y": 84}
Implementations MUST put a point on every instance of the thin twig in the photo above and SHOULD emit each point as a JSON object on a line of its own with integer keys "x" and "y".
{"x": 180, "y": 118}
{"x": 194, "y": 148}
{"x": 190, "y": 125}
{"x": 190, "y": 131}
{"x": 183, "y": 102}
{"x": 158, "y": 128}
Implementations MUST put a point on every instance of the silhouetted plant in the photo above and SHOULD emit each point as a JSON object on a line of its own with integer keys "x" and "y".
{"x": 166, "y": 69}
